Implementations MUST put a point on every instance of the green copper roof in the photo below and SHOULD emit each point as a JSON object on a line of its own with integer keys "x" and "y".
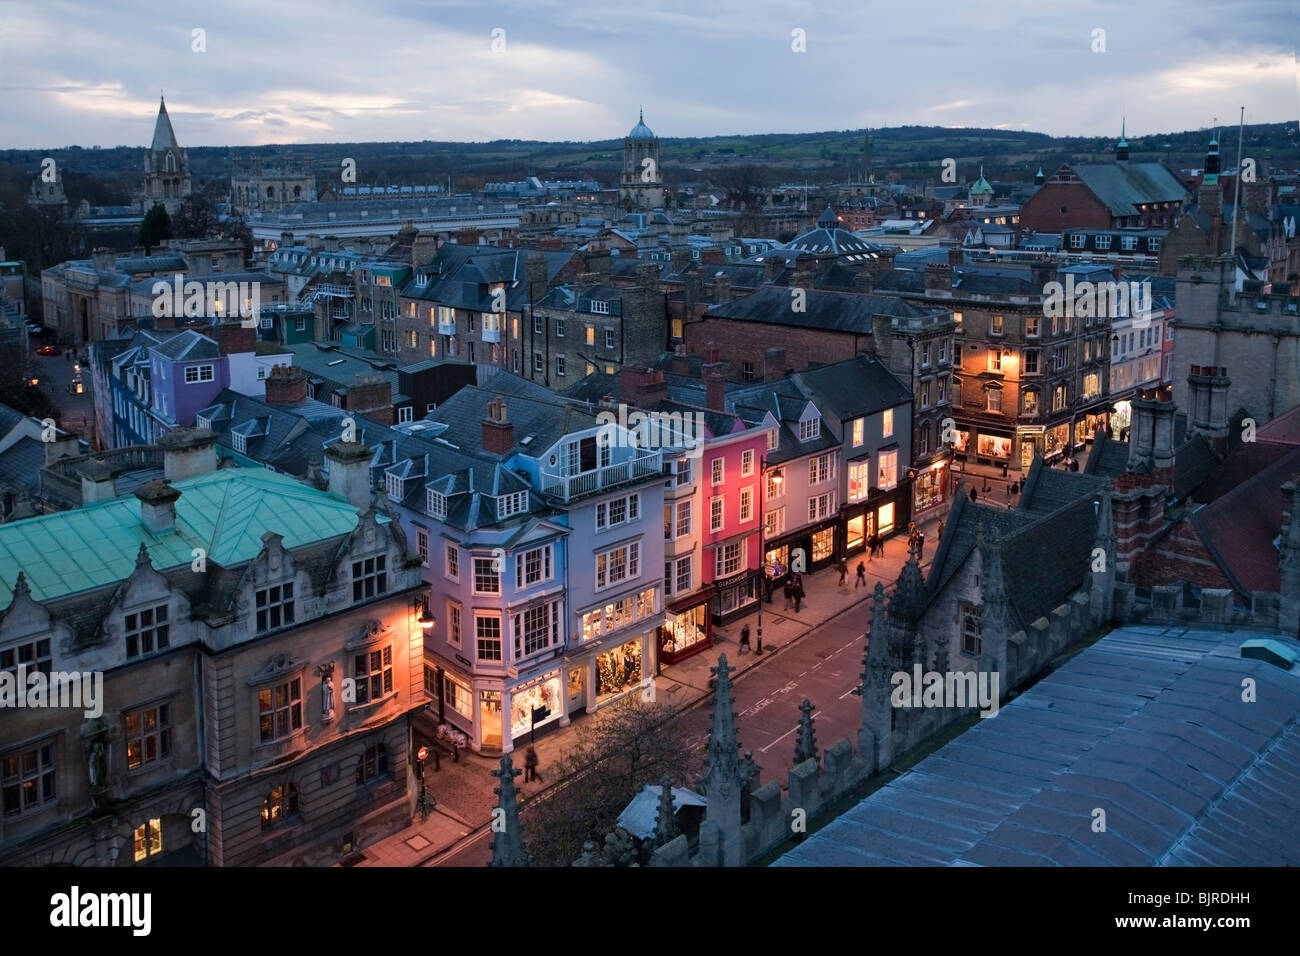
{"x": 225, "y": 512}
{"x": 981, "y": 186}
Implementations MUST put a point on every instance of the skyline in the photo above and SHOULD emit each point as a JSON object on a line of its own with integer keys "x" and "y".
{"x": 698, "y": 69}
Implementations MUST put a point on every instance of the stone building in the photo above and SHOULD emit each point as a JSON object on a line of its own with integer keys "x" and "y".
{"x": 641, "y": 184}
{"x": 166, "y": 167}
{"x": 269, "y": 187}
{"x": 258, "y": 658}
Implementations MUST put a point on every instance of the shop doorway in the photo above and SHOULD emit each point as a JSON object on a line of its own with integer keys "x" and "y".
{"x": 577, "y": 689}
{"x": 490, "y": 717}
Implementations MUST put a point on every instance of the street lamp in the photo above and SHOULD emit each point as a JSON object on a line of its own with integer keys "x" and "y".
{"x": 777, "y": 478}
{"x": 420, "y": 608}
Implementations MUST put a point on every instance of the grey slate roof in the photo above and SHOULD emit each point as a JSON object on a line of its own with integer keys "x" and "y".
{"x": 187, "y": 345}
{"x": 1148, "y": 724}
{"x": 21, "y": 463}
{"x": 830, "y": 311}
{"x": 860, "y": 386}
{"x": 1121, "y": 186}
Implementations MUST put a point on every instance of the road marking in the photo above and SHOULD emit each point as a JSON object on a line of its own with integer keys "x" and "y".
{"x": 783, "y": 736}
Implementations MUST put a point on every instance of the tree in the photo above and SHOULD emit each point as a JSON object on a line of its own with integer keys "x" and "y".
{"x": 156, "y": 227}
{"x": 196, "y": 218}
{"x": 625, "y": 745}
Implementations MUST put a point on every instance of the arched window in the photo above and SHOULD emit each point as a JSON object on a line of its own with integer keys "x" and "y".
{"x": 297, "y": 191}
{"x": 270, "y": 192}
{"x": 280, "y": 804}
{"x": 169, "y": 164}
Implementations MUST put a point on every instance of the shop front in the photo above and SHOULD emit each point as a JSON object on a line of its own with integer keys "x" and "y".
{"x": 733, "y": 596}
{"x": 1055, "y": 440}
{"x": 1086, "y": 428}
{"x": 1030, "y": 441}
{"x": 618, "y": 670}
{"x": 931, "y": 487}
{"x": 687, "y": 628}
{"x": 1121, "y": 419}
{"x": 814, "y": 546}
{"x": 536, "y": 703}
{"x": 993, "y": 447}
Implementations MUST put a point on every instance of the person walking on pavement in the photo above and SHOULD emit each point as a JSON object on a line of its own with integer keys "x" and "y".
{"x": 941, "y": 530}
{"x": 530, "y": 765}
{"x": 871, "y": 545}
{"x": 789, "y": 592}
{"x": 862, "y": 575}
{"x": 744, "y": 640}
{"x": 798, "y": 596}
{"x": 974, "y": 495}
{"x": 844, "y": 572}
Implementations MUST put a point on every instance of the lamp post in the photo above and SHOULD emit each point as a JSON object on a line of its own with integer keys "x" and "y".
{"x": 777, "y": 478}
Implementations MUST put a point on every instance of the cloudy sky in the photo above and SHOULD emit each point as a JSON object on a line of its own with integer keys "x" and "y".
{"x": 289, "y": 71}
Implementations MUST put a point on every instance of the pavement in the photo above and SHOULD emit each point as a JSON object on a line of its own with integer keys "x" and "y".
{"x": 55, "y": 373}
{"x": 817, "y": 650}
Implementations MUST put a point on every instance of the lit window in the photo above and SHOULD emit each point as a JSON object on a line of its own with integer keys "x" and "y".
{"x": 148, "y": 736}
{"x": 859, "y": 427}
{"x": 887, "y": 473}
{"x": 887, "y": 423}
{"x": 372, "y": 672}
{"x": 148, "y": 839}
{"x": 280, "y": 710}
{"x": 280, "y": 804}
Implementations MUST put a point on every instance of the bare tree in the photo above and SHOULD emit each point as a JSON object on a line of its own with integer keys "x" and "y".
{"x": 626, "y": 745}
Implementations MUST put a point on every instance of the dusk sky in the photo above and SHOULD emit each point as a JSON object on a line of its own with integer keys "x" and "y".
{"x": 290, "y": 71}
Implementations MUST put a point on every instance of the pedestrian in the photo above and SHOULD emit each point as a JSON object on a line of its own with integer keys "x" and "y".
{"x": 789, "y": 592}
{"x": 1004, "y": 471}
{"x": 744, "y": 640}
{"x": 941, "y": 530}
{"x": 530, "y": 765}
{"x": 1009, "y": 492}
{"x": 798, "y": 596}
{"x": 862, "y": 575}
{"x": 920, "y": 545}
{"x": 871, "y": 546}
{"x": 844, "y": 572}
{"x": 974, "y": 495}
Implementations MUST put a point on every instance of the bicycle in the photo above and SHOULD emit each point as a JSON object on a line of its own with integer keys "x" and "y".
{"x": 425, "y": 804}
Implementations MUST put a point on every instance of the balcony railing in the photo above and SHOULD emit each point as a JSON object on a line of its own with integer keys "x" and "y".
{"x": 569, "y": 487}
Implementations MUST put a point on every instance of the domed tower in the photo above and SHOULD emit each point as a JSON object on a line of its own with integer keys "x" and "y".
{"x": 1209, "y": 197}
{"x": 981, "y": 193}
{"x": 166, "y": 167}
{"x": 641, "y": 186}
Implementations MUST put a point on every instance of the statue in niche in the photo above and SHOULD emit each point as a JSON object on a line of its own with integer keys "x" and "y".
{"x": 326, "y": 672}
{"x": 98, "y": 771}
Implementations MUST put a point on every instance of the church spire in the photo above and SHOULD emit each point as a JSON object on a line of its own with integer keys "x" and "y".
{"x": 1121, "y": 148}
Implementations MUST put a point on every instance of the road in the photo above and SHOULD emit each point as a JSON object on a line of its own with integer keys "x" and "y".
{"x": 824, "y": 666}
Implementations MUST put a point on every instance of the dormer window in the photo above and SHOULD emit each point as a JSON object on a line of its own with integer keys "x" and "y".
{"x": 810, "y": 429}
{"x": 600, "y": 307}
{"x": 512, "y": 504}
{"x": 437, "y": 504}
{"x": 395, "y": 490}
{"x": 241, "y": 442}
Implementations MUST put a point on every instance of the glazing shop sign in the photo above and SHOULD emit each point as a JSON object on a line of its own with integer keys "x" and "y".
{"x": 194, "y": 299}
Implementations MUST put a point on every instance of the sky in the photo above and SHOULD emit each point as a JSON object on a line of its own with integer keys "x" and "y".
{"x": 289, "y": 71}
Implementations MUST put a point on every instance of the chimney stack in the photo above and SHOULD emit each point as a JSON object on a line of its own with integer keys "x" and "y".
{"x": 188, "y": 452}
{"x": 349, "y": 466}
{"x": 715, "y": 388}
{"x": 233, "y": 338}
{"x": 498, "y": 431}
{"x": 371, "y": 396}
{"x": 681, "y": 362}
{"x": 956, "y": 256}
{"x": 722, "y": 289}
{"x": 105, "y": 260}
{"x": 598, "y": 261}
{"x": 423, "y": 249}
{"x": 535, "y": 275}
{"x": 772, "y": 267}
{"x": 158, "y": 506}
{"x": 286, "y": 385}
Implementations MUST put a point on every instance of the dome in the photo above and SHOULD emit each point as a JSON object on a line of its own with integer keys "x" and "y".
{"x": 640, "y": 130}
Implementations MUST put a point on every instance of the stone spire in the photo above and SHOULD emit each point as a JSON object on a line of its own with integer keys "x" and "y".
{"x": 875, "y": 744}
{"x": 142, "y": 557}
{"x": 905, "y": 608}
{"x": 724, "y": 778}
{"x": 508, "y": 847}
{"x": 1289, "y": 562}
{"x": 666, "y": 820}
{"x": 722, "y": 775}
{"x": 1102, "y": 566}
{"x": 164, "y": 137}
{"x": 805, "y": 747}
{"x": 996, "y": 615}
